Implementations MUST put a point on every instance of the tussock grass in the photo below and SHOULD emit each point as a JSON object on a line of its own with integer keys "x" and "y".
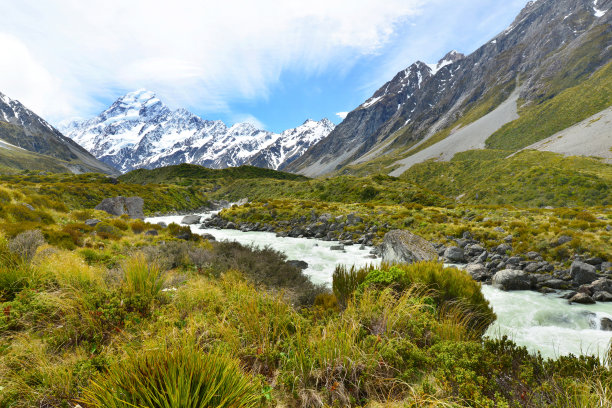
{"x": 142, "y": 277}
{"x": 184, "y": 376}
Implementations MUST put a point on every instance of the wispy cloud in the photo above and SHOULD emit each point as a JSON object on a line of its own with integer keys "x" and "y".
{"x": 342, "y": 115}
{"x": 60, "y": 56}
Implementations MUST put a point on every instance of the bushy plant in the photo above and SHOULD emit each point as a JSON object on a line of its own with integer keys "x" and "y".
{"x": 183, "y": 376}
{"x": 108, "y": 231}
{"x": 26, "y": 243}
{"x": 447, "y": 285}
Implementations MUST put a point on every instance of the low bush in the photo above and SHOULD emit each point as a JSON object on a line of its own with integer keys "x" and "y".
{"x": 447, "y": 285}
{"x": 26, "y": 243}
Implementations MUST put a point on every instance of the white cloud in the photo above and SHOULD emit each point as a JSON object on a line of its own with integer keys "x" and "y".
{"x": 23, "y": 77}
{"x": 342, "y": 115}
{"x": 248, "y": 118}
{"x": 194, "y": 53}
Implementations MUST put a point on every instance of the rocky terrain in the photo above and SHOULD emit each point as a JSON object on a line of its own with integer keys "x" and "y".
{"x": 140, "y": 131}
{"x": 586, "y": 281}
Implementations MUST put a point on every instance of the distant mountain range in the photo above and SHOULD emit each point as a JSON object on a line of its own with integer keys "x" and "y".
{"x": 139, "y": 131}
{"x": 552, "y": 59}
{"x": 28, "y": 142}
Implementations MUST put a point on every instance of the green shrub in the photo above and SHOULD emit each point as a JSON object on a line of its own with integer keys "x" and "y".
{"x": 181, "y": 377}
{"x": 120, "y": 223}
{"x": 108, "y": 231}
{"x": 15, "y": 273}
{"x": 449, "y": 285}
{"x": 138, "y": 226}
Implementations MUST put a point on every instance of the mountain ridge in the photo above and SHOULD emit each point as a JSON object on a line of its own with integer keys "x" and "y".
{"x": 139, "y": 131}
{"x": 550, "y": 46}
{"x": 39, "y": 141}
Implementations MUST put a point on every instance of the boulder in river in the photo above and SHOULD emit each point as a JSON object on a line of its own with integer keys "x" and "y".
{"x": 582, "y": 298}
{"x": 510, "y": 279}
{"x": 400, "y": 246}
{"x": 132, "y": 206}
{"x": 606, "y": 324}
{"x": 454, "y": 254}
{"x": 582, "y": 273}
{"x": 191, "y": 219}
{"x": 298, "y": 264}
{"x": 478, "y": 272}
{"x": 602, "y": 296}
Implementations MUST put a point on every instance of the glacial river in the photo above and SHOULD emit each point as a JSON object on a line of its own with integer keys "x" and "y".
{"x": 543, "y": 323}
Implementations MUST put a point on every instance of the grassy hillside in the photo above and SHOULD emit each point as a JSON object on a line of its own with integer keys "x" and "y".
{"x": 108, "y": 315}
{"x": 528, "y": 179}
{"x": 343, "y": 189}
{"x": 191, "y": 174}
{"x": 85, "y": 191}
{"x": 540, "y": 120}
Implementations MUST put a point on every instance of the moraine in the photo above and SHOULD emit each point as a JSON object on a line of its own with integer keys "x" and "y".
{"x": 543, "y": 323}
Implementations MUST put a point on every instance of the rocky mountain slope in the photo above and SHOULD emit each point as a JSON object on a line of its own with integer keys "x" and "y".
{"x": 139, "y": 131}
{"x": 29, "y": 142}
{"x": 552, "y": 46}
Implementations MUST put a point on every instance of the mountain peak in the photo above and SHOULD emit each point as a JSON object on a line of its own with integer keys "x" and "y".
{"x": 452, "y": 56}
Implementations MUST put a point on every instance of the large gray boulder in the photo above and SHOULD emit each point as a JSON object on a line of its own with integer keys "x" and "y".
{"x": 132, "y": 206}
{"x": 478, "y": 272}
{"x": 510, "y": 279}
{"x": 400, "y": 246}
{"x": 601, "y": 285}
{"x": 582, "y": 298}
{"x": 454, "y": 254}
{"x": 191, "y": 219}
{"x": 582, "y": 273}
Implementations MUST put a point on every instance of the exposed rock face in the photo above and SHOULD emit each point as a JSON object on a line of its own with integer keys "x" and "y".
{"x": 509, "y": 279}
{"x": 424, "y": 99}
{"x": 400, "y": 246}
{"x": 582, "y": 273}
{"x": 117, "y": 206}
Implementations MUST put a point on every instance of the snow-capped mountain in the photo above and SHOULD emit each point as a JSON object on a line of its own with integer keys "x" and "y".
{"x": 139, "y": 131}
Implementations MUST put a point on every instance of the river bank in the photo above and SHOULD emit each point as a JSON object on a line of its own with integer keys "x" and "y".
{"x": 543, "y": 323}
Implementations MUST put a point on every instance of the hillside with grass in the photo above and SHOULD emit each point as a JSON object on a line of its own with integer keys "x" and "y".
{"x": 527, "y": 179}
{"x": 192, "y": 174}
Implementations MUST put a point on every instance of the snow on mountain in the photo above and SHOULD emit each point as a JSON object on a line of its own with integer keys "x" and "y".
{"x": 139, "y": 131}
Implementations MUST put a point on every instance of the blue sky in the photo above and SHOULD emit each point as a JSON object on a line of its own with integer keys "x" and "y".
{"x": 271, "y": 63}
